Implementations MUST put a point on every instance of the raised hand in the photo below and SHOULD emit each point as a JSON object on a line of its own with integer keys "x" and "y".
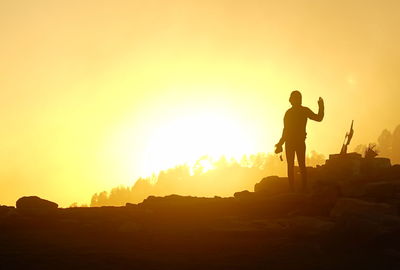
{"x": 320, "y": 102}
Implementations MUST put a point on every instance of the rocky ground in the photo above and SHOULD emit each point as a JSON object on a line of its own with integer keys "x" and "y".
{"x": 343, "y": 222}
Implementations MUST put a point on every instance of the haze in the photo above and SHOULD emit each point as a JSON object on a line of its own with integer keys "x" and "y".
{"x": 95, "y": 94}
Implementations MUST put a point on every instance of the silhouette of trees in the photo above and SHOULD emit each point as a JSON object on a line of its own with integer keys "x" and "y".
{"x": 207, "y": 177}
{"x": 315, "y": 159}
{"x": 223, "y": 177}
{"x": 389, "y": 144}
{"x": 396, "y": 145}
{"x": 385, "y": 141}
{"x": 361, "y": 148}
{"x": 74, "y": 205}
{"x": 99, "y": 199}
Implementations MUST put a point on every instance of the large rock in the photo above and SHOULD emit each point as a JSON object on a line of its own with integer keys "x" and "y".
{"x": 272, "y": 185}
{"x": 35, "y": 205}
{"x": 347, "y": 207}
{"x": 4, "y": 210}
{"x": 188, "y": 205}
{"x": 283, "y": 204}
{"x": 341, "y": 165}
{"x": 375, "y": 166}
{"x": 394, "y": 172}
{"x": 360, "y": 222}
{"x": 307, "y": 226}
{"x": 323, "y": 198}
{"x": 351, "y": 188}
{"x": 302, "y": 226}
{"x": 129, "y": 227}
{"x": 382, "y": 190}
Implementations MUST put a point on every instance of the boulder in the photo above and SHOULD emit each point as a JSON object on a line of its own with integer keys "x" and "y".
{"x": 322, "y": 200}
{"x": 129, "y": 227}
{"x": 285, "y": 203}
{"x": 272, "y": 185}
{"x": 351, "y": 188}
{"x": 242, "y": 194}
{"x": 343, "y": 165}
{"x": 375, "y": 166}
{"x": 361, "y": 222}
{"x": 382, "y": 190}
{"x": 188, "y": 205}
{"x": 130, "y": 205}
{"x": 361, "y": 229}
{"x": 394, "y": 172}
{"x": 307, "y": 226}
{"x": 4, "y": 210}
{"x": 35, "y": 205}
{"x": 347, "y": 207}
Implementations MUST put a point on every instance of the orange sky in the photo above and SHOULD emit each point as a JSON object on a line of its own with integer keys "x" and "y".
{"x": 97, "y": 93}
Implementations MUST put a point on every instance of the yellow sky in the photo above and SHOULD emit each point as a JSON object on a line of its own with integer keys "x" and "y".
{"x": 94, "y": 94}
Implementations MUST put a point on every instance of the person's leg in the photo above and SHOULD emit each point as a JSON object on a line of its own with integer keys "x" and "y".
{"x": 290, "y": 164}
{"x": 301, "y": 159}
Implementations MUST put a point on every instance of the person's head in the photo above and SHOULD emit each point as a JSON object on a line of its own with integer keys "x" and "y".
{"x": 295, "y": 98}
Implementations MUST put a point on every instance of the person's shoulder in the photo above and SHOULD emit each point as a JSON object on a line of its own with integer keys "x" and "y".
{"x": 307, "y": 112}
{"x": 290, "y": 110}
{"x": 305, "y": 109}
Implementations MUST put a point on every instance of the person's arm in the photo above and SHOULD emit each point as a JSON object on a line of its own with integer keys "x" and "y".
{"x": 278, "y": 146}
{"x": 321, "y": 111}
{"x": 283, "y": 138}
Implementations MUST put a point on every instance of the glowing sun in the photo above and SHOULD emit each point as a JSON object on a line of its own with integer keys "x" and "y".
{"x": 186, "y": 138}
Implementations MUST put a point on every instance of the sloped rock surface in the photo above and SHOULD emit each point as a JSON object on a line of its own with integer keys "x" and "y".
{"x": 339, "y": 223}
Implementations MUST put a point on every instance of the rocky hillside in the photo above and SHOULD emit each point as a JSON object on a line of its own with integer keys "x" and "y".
{"x": 347, "y": 220}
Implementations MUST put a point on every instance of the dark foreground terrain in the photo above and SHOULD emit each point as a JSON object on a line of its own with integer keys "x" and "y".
{"x": 343, "y": 222}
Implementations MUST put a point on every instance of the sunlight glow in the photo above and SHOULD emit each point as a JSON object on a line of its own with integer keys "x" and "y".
{"x": 97, "y": 95}
{"x": 181, "y": 137}
{"x": 203, "y": 165}
{"x": 186, "y": 138}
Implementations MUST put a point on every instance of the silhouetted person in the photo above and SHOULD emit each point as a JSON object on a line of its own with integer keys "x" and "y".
{"x": 294, "y": 135}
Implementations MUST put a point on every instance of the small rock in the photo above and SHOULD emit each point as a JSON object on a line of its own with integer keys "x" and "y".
{"x": 242, "y": 194}
{"x": 130, "y": 205}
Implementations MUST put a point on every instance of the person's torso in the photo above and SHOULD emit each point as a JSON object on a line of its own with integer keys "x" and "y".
{"x": 296, "y": 122}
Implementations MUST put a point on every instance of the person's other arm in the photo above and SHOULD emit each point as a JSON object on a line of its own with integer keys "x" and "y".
{"x": 321, "y": 111}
